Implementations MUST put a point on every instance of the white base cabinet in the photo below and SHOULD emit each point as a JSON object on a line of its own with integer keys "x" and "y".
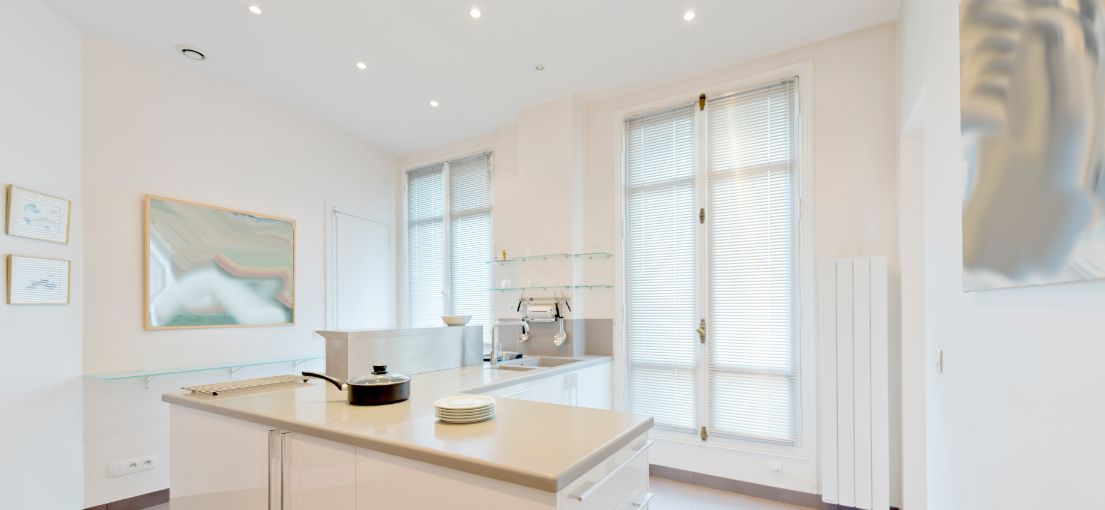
{"x": 587, "y": 387}
{"x": 220, "y": 463}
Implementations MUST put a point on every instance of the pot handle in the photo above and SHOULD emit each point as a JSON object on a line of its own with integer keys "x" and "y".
{"x": 324, "y": 377}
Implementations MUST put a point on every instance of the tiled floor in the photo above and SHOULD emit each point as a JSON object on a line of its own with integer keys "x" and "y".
{"x": 670, "y": 495}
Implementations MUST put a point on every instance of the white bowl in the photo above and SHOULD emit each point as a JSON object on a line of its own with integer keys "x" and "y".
{"x": 456, "y": 320}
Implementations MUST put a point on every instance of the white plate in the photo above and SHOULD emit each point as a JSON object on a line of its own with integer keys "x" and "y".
{"x": 464, "y": 416}
{"x": 466, "y": 412}
{"x": 471, "y": 420}
{"x": 476, "y": 410}
{"x": 442, "y": 412}
{"x": 464, "y": 402}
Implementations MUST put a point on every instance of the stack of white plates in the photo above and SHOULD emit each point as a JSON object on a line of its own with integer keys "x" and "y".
{"x": 465, "y": 409}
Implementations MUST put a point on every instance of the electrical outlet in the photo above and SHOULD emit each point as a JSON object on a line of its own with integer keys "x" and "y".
{"x": 131, "y": 466}
{"x": 776, "y": 466}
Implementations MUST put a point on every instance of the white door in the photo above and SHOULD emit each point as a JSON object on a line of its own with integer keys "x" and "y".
{"x": 361, "y": 273}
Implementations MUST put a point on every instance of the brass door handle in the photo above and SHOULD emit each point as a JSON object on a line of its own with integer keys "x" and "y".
{"x": 701, "y": 331}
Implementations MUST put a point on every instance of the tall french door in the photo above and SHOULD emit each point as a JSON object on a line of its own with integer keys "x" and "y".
{"x": 711, "y": 265}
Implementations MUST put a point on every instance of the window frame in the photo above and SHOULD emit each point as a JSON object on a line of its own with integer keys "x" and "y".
{"x": 804, "y": 448}
{"x": 404, "y": 310}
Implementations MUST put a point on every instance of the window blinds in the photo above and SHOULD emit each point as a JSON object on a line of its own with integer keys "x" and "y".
{"x": 470, "y": 239}
{"x": 752, "y": 263}
{"x": 743, "y": 382}
{"x": 425, "y": 257}
{"x": 660, "y": 267}
{"x": 457, "y": 283}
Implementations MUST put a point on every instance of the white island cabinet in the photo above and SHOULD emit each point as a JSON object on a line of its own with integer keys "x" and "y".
{"x": 304, "y": 448}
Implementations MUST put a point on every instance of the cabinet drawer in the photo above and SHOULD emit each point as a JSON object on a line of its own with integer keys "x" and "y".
{"x": 640, "y": 500}
{"x": 612, "y": 483}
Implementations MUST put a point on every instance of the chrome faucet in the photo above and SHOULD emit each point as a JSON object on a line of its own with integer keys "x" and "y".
{"x": 496, "y": 346}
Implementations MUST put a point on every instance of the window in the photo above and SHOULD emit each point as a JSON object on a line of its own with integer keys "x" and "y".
{"x": 711, "y": 241}
{"x": 449, "y": 242}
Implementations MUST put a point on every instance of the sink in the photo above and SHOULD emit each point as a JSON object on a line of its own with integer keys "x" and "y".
{"x": 537, "y": 362}
{"x": 516, "y": 368}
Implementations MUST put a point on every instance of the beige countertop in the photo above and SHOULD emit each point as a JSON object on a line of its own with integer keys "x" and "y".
{"x": 539, "y": 445}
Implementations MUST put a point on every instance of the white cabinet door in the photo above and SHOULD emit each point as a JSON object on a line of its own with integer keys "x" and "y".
{"x": 523, "y": 391}
{"x": 594, "y": 386}
{"x": 553, "y": 389}
{"x": 317, "y": 473}
{"x": 217, "y": 463}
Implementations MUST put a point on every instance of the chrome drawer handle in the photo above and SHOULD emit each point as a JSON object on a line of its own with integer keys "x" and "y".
{"x": 643, "y": 500}
{"x": 594, "y": 486}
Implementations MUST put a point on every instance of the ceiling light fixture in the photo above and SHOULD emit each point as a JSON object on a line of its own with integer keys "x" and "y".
{"x": 362, "y": 66}
{"x": 539, "y": 67}
{"x": 475, "y": 12}
{"x": 255, "y": 9}
{"x": 192, "y": 53}
{"x": 434, "y": 103}
{"x": 688, "y": 16}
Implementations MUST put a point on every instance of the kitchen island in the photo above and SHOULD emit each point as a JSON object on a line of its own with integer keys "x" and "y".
{"x": 302, "y": 446}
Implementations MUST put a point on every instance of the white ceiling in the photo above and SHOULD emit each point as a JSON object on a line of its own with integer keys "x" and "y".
{"x": 481, "y": 70}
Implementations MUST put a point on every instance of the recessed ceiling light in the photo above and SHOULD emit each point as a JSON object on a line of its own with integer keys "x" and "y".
{"x": 255, "y": 9}
{"x": 689, "y": 15}
{"x": 434, "y": 103}
{"x": 362, "y": 66}
{"x": 475, "y": 12}
{"x": 192, "y": 53}
{"x": 539, "y": 67}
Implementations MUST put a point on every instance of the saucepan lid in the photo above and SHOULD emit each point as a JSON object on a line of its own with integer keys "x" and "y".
{"x": 378, "y": 377}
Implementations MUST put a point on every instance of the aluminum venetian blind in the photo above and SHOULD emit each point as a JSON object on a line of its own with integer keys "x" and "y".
{"x": 752, "y": 230}
{"x": 660, "y": 267}
{"x": 425, "y": 253}
{"x": 470, "y": 239}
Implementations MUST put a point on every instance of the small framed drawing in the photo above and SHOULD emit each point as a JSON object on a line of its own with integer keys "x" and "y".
{"x": 35, "y": 281}
{"x": 37, "y": 216}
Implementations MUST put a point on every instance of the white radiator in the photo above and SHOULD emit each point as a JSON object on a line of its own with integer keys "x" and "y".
{"x": 854, "y": 396}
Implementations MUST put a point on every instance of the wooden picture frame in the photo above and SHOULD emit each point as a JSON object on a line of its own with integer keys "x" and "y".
{"x": 35, "y": 215}
{"x": 38, "y": 281}
{"x": 226, "y": 272}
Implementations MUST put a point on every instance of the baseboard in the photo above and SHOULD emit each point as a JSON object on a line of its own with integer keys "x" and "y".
{"x": 755, "y": 490}
{"x": 137, "y": 502}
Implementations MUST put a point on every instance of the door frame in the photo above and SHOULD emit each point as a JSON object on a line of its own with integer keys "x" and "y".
{"x": 331, "y": 263}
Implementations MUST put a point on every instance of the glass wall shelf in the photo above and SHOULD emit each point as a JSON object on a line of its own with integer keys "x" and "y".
{"x": 148, "y": 375}
{"x": 547, "y": 256}
{"x": 551, "y": 287}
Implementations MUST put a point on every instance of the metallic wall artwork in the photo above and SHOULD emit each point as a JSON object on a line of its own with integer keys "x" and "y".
{"x": 213, "y": 267}
{"x": 1033, "y": 124}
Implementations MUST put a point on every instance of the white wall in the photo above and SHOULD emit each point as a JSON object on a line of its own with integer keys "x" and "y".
{"x": 571, "y": 192}
{"x": 40, "y": 149}
{"x": 163, "y": 127}
{"x": 1015, "y": 419}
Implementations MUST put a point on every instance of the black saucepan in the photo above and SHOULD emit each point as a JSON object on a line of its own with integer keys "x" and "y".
{"x": 375, "y": 389}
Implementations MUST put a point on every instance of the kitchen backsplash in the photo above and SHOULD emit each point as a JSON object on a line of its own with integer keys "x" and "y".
{"x": 585, "y": 336}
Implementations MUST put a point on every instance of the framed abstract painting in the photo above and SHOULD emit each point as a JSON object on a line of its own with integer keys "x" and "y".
{"x": 1033, "y": 125}
{"x": 209, "y": 267}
